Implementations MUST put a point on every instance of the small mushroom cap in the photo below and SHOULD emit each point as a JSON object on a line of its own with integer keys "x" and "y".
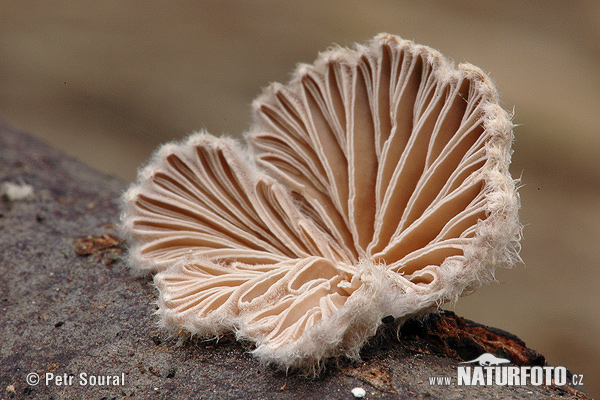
{"x": 375, "y": 184}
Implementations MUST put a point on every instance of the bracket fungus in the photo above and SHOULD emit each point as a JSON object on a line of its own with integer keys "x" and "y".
{"x": 374, "y": 184}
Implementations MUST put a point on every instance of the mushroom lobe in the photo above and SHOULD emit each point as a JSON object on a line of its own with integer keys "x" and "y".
{"x": 375, "y": 186}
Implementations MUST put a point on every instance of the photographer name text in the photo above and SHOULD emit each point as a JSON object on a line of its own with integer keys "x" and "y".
{"x": 84, "y": 379}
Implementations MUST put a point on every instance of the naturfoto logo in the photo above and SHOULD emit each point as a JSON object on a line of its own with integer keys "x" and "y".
{"x": 491, "y": 370}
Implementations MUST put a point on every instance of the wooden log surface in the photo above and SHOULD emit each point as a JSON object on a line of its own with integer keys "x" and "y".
{"x": 70, "y": 306}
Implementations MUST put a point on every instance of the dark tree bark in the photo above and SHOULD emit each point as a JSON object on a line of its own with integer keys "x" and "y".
{"x": 70, "y": 306}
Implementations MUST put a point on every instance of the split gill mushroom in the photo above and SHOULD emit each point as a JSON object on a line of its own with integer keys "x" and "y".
{"x": 374, "y": 184}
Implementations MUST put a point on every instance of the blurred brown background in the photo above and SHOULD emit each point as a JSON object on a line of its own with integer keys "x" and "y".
{"x": 108, "y": 81}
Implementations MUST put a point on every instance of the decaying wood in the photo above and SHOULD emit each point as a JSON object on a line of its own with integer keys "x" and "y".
{"x": 69, "y": 314}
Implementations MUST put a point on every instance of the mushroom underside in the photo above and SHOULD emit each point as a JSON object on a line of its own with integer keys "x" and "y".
{"x": 375, "y": 183}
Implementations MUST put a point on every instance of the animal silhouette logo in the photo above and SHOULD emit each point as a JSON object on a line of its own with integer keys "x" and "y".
{"x": 487, "y": 359}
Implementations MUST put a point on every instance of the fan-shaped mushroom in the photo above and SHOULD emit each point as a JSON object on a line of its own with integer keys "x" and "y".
{"x": 376, "y": 183}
